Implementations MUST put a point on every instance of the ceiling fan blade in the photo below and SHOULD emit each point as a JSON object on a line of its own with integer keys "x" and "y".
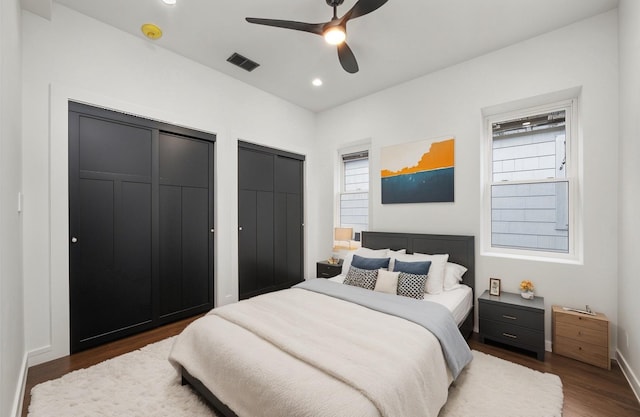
{"x": 288, "y": 24}
{"x": 363, "y": 7}
{"x": 347, "y": 58}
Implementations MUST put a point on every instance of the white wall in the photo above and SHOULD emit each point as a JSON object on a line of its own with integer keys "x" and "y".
{"x": 449, "y": 102}
{"x": 12, "y": 358}
{"x": 629, "y": 200}
{"x": 75, "y": 57}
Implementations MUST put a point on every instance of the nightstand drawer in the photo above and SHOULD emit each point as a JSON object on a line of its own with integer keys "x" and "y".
{"x": 507, "y": 314}
{"x": 582, "y": 334}
{"x": 585, "y": 352}
{"x": 327, "y": 270}
{"x": 512, "y": 334}
{"x": 583, "y": 321}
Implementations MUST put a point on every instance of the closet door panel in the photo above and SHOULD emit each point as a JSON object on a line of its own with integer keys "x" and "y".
{"x": 265, "y": 268}
{"x": 184, "y": 161}
{"x": 170, "y": 259}
{"x": 112, "y": 289}
{"x": 195, "y": 247}
{"x": 294, "y": 238}
{"x": 255, "y": 170}
{"x": 133, "y": 251}
{"x": 185, "y": 223}
{"x": 114, "y": 147}
{"x": 256, "y": 242}
{"x": 288, "y": 175}
{"x": 247, "y": 242}
{"x": 288, "y": 232}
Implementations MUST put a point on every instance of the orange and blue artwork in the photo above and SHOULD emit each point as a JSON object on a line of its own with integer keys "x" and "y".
{"x": 418, "y": 172}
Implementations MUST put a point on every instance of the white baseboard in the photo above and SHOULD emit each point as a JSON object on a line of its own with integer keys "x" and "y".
{"x": 18, "y": 400}
{"x": 629, "y": 374}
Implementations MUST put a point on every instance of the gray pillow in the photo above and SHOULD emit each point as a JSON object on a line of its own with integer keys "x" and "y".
{"x": 417, "y": 268}
{"x": 369, "y": 263}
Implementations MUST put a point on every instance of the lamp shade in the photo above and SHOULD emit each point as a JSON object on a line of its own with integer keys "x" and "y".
{"x": 343, "y": 233}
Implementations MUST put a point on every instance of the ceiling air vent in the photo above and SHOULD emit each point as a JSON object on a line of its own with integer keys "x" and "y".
{"x": 243, "y": 62}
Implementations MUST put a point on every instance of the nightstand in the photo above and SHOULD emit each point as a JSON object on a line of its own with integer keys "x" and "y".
{"x": 581, "y": 336}
{"x": 512, "y": 320}
{"x": 326, "y": 270}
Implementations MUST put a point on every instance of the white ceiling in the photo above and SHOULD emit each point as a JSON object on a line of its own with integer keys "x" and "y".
{"x": 402, "y": 40}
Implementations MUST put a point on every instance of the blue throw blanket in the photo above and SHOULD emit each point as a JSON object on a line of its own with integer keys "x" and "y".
{"x": 432, "y": 316}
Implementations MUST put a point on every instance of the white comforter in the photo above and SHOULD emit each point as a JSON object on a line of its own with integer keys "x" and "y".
{"x": 300, "y": 353}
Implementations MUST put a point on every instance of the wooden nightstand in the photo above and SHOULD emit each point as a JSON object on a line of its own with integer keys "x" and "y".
{"x": 326, "y": 270}
{"x": 581, "y": 336}
{"x": 512, "y": 320}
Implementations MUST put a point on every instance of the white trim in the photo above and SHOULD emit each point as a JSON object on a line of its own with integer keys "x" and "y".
{"x": 34, "y": 355}
{"x": 628, "y": 373}
{"x": 18, "y": 400}
{"x": 517, "y": 110}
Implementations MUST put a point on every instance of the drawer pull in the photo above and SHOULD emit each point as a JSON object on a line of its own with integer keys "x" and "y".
{"x": 509, "y": 335}
{"x": 509, "y": 317}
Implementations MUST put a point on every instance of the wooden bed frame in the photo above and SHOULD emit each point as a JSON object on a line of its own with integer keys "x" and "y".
{"x": 461, "y": 250}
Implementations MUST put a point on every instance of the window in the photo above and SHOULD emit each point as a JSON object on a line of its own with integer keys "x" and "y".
{"x": 354, "y": 192}
{"x": 530, "y": 203}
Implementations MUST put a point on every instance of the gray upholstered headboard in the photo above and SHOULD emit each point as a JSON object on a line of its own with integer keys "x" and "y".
{"x": 461, "y": 249}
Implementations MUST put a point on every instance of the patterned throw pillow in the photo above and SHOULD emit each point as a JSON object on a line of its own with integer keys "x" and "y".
{"x": 364, "y": 278}
{"x": 411, "y": 285}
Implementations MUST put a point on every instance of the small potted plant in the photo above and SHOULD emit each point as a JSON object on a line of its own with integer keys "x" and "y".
{"x": 526, "y": 289}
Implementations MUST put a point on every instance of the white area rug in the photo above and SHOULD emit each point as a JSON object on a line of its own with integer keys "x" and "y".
{"x": 143, "y": 383}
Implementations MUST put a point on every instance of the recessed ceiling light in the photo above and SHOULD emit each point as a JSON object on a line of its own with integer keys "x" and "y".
{"x": 169, "y": 2}
{"x": 316, "y": 82}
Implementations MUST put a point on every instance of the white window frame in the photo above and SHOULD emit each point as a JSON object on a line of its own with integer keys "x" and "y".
{"x": 574, "y": 174}
{"x": 364, "y": 147}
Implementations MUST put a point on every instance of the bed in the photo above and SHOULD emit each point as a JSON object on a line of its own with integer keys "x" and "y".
{"x": 320, "y": 349}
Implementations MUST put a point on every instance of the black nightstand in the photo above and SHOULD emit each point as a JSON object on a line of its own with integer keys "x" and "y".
{"x": 326, "y": 270}
{"x": 512, "y": 320}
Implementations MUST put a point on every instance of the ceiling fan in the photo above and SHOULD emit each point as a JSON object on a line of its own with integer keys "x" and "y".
{"x": 334, "y": 31}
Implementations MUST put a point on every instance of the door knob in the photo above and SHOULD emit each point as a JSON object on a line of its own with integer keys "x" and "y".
{"x": 240, "y": 228}
{"x": 74, "y": 239}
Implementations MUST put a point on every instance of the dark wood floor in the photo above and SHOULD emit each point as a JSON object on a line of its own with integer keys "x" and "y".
{"x": 588, "y": 391}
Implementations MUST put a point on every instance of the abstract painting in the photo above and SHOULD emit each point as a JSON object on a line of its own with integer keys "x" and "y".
{"x": 418, "y": 172}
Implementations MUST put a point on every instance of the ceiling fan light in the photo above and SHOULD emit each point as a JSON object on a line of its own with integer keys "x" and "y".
{"x": 335, "y": 35}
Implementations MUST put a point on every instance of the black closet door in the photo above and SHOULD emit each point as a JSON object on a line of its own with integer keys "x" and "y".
{"x": 141, "y": 200}
{"x": 110, "y": 256}
{"x": 270, "y": 214}
{"x": 288, "y": 221}
{"x": 186, "y": 216}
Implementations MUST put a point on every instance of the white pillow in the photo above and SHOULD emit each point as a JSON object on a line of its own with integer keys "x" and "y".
{"x": 393, "y": 254}
{"x": 365, "y": 252}
{"x": 453, "y": 275}
{"x": 435, "y": 278}
{"x": 387, "y": 281}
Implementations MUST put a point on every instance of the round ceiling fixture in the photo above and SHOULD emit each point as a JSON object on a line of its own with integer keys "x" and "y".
{"x": 317, "y": 82}
{"x": 169, "y": 2}
{"x": 151, "y": 31}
